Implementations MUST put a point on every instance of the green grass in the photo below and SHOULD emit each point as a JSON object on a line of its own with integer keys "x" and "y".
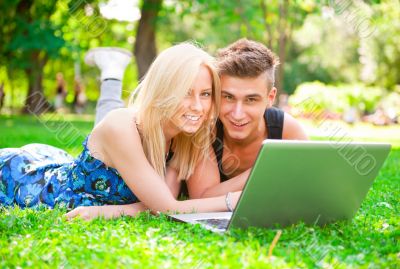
{"x": 63, "y": 131}
{"x": 31, "y": 238}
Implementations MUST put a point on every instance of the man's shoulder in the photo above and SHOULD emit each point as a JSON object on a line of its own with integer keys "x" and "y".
{"x": 292, "y": 128}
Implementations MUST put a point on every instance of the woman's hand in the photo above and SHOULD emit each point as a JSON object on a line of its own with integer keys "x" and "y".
{"x": 89, "y": 212}
{"x": 106, "y": 211}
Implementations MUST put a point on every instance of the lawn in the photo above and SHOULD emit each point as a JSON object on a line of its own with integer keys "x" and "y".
{"x": 43, "y": 238}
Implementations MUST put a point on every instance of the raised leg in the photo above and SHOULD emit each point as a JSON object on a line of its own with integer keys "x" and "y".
{"x": 112, "y": 63}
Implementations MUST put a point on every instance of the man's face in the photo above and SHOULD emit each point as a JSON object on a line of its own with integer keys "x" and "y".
{"x": 243, "y": 104}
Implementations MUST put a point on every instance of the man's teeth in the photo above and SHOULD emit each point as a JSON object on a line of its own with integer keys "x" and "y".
{"x": 193, "y": 118}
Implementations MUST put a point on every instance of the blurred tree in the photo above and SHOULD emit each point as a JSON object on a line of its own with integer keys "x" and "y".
{"x": 314, "y": 40}
{"x": 218, "y": 23}
{"x": 327, "y": 50}
{"x": 36, "y": 32}
{"x": 29, "y": 40}
{"x": 380, "y": 50}
{"x": 352, "y": 43}
{"x": 145, "y": 46}
{"x": 281, "y": 18}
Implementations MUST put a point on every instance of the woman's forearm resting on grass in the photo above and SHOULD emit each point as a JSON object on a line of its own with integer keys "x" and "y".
{"x": 188, "y": 206}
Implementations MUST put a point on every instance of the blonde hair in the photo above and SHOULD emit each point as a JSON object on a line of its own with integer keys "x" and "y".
{"x": 158, "y": 97}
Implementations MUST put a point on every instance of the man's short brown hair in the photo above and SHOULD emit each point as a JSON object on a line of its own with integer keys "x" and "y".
{"x": 247, "y": 59}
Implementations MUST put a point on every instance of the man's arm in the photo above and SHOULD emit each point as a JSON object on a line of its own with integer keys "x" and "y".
{"x": 205, "y": 181}
{"x": 292, "y": 129}
{"x": 232, "y": 185}
{"x": 174, "y": 184}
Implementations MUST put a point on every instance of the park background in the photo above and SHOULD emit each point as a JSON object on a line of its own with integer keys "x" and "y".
{"x": 340, "y": 71}
{"x": 344, "y": 54}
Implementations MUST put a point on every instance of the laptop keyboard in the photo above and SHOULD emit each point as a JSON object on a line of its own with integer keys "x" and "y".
{"x": 216, "y": 223}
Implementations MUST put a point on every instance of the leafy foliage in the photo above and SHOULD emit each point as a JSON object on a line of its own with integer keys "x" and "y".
{"x": 381, "y": 52}
{"x": 335, "y": 42}
{"x": 336, "y": 98}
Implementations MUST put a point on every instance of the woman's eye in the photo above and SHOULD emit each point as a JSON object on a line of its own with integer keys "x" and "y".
{"x": 206, "y": 94}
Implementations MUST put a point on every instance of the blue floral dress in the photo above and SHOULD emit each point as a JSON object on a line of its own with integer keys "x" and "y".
{"x": 39, "y": 174}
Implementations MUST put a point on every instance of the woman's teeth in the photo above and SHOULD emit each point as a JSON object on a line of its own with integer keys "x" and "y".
{"x": 192, "y": 118}
{"x": 239, "y": 124}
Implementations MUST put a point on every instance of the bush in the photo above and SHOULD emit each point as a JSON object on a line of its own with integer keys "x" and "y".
{"x": 391, "y": 104}
{"x": 335, "y": 99}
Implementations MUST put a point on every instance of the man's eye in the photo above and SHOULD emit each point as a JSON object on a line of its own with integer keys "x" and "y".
{"x": 251, "y": 100}
{"x": 228, "y": 97}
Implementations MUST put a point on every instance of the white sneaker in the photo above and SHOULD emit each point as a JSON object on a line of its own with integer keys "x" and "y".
{"x": 111, "y": 61}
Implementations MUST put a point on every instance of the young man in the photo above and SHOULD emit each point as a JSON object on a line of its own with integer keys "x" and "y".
{"x": 246, "y": 119}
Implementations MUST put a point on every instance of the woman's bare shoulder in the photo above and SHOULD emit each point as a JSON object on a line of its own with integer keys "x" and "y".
{"x": 119, "y": 116}
{"x": 117, "y": 126}
{"x": 120, "y": 120}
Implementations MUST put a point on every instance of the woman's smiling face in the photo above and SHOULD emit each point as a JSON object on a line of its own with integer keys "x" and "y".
{"x": 195, "y": 107}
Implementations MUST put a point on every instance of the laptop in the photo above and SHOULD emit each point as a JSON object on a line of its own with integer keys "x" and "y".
{"x": 316, "y": 182}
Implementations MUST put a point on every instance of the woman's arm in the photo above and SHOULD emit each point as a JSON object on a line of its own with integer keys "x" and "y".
{"x": 106, "y": 211}
{"x": 116, "y": 211}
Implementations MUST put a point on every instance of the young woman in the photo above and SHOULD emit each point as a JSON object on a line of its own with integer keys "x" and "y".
{"x": 124, "y": 159}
